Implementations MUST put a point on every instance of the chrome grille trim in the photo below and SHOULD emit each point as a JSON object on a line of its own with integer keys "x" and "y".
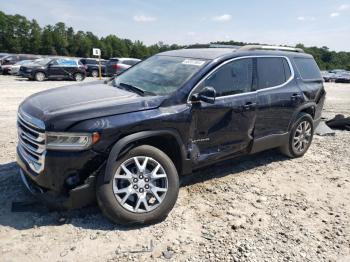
{"x": 31, "y": 142}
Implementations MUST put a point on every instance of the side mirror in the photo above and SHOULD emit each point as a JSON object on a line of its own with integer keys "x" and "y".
{"x": 207, "y": 94}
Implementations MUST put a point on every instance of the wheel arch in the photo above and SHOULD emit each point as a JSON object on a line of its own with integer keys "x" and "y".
{"x": 309, "y": 108}
{"x": 169, "y": 141}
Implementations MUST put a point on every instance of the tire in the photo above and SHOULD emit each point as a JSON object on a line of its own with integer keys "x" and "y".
{"x": 78, "y": 77}
{"x": 297, "y": 145}
{"x": 94, "y": 73}
{"x": 39, "y": 76}
{"x": 133, "y": 211}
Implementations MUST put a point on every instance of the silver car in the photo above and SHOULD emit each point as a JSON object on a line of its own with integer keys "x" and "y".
{"x": 15, "y": 68}
{"x": 116, "y": 65}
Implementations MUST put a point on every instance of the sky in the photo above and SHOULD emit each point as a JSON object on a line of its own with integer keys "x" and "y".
{"x": 312, "y": 22}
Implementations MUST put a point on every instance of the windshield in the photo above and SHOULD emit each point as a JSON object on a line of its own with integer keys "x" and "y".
{"x": 160, "y": 75}
{"x": 42, "y": 61}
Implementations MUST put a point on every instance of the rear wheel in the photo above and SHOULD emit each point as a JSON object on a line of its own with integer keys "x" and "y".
{"x": 78, "y": 77}
{"x": 143, "y": 189}
{"x": 39, "y": 76}
{"x": 300, "y": 136}
{"x": 94, "y": 73}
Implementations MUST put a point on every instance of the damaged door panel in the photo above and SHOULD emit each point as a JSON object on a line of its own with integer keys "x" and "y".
{"x": 225, "y": 127}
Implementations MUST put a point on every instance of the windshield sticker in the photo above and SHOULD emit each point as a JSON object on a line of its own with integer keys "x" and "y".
{"x": 193, "y": 62}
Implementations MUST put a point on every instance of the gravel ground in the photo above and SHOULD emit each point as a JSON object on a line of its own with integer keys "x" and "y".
{"x": 259, "y": 208}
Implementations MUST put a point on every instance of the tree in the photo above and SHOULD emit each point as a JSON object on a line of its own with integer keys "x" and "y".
{"x": 34, "y": 37}
{"x": 18, "y": 34}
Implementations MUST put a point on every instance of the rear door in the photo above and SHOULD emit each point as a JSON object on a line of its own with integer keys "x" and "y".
{"x": 278, "y": 96}
{"x": 225, "y": 127}
{"x": 68, "y": 67}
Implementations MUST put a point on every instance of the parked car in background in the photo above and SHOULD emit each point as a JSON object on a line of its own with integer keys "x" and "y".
{"x": 116, "y": 66}
{"x": 9, "y": 60}
{"x": 15, "y": 68}
{"x": 327, "y": 76}
{"x": 91, "y": 66}
{"x": 343, "y": 77}
{"x": 54, "y": 68}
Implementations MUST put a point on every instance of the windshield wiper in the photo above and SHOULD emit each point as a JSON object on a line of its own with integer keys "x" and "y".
{"x": 135, "y": 89}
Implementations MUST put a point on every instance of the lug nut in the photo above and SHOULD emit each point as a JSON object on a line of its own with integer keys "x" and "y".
{"x": 135, "y": 180}
{"x": 135, "y": 186}
{"x": 141, "y": 190}
{"x": 146, "y": 179}
{"x": 141, "y": 176}
{"x": 147, "y": 186}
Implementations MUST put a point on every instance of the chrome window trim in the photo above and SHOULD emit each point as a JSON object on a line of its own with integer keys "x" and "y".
{"x": 239, "y": 58}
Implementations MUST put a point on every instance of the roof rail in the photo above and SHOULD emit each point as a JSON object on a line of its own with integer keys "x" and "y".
{"x": 270, "y": 47}
{"x": 211, "y": 46}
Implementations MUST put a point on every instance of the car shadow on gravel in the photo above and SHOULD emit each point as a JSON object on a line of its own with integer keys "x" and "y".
{"x": 233, "y": 166}
{"x": 31, "y": 213}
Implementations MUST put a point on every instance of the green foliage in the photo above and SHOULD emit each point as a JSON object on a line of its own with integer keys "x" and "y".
{"x": 20, "y": 35}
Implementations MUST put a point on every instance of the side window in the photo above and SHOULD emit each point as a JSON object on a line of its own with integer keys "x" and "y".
{"x": 128, "y": 62}
{"x": 133, "y": 62}
{"x": 235, "y": 77}
{"x": 54, "y": 62}
{"x": 272, "y": 71}
{"x": 66, "y": 62}
{"x": 308, "y": 68}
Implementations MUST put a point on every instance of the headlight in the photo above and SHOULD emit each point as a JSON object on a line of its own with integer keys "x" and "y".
{"x": 71, "y": 141}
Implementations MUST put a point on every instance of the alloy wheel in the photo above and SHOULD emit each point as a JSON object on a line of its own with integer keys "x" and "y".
{"x": 78, "y": 77}
{"x": 140, "y": 184}
{"x": 302, "y": 136}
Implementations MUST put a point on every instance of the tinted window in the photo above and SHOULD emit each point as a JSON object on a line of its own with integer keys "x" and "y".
{"x": 235, "y": 77}
{"x": 271, "y": 72}
{"x": 91, "y": 62}
{"x": 308, "y": 68}
{"x": 129, "y": 62}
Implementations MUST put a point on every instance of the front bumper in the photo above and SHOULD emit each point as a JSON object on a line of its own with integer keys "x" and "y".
{"x": 25, "y": 74}
{"x": 78, "y": 197}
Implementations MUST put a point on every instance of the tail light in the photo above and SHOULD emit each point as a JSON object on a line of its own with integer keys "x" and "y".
{"x": 116, "y": 66}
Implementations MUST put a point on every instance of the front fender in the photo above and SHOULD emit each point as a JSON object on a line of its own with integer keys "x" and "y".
{"x": 127, "y": 140}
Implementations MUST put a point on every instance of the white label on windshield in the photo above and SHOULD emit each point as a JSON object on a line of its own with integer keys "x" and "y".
{"x": 193, "y": 62}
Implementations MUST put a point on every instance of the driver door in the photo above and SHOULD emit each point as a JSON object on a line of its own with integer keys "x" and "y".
{"x": 55, "y": 69}
{"x": 225, "y": 127}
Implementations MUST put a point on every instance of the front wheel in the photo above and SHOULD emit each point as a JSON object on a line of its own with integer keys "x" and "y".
{"x": 143, "y": 189}
{"x": 300, "y": 136}
{"x": 39, "y": 76}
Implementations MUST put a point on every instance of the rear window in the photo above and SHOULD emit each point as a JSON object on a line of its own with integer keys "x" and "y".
{"x": 308, "y": 68}
{"x": 272, "y": 71}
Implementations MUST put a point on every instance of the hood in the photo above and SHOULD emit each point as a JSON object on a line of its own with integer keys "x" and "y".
{"x": 62, "y": 107}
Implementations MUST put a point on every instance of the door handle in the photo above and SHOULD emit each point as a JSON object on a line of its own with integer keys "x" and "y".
{"x": 295, "y": 97}
{"x": 249, "y": 106}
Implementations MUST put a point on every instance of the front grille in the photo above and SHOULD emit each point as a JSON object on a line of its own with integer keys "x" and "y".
{"x": 31, "y": 143}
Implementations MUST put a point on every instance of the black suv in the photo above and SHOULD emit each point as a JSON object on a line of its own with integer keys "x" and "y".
{"x": 129, "y": 141}
{"x": 91, "y": 66}
{"x": 54, "y": 68}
